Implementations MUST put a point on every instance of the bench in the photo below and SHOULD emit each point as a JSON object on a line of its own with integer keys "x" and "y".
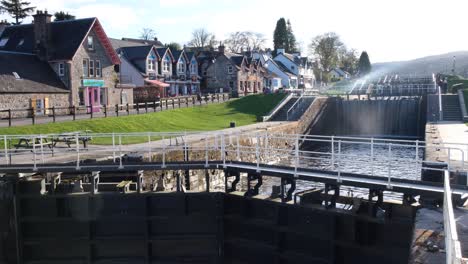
{"x": 70, "y": 138}
{"x": 124, "y": 186}
{"x": 28, "y": 143}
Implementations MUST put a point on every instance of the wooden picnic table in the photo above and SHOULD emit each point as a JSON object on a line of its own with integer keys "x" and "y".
{"x": 70, "y": 138}
{"x": 32, "y": 142}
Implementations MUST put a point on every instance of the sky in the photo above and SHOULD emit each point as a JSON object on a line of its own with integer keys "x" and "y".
{"x": 389, "y": 30}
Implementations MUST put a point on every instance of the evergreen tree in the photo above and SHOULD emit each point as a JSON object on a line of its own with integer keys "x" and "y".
{"x": 292, "y": 44}
{"x": 17, "y": 9}
{"x": 280, "y": 36}
{"x": 61, "y": 16}
{"x": 364, "y": 64}
{"x": 173, "y": 46}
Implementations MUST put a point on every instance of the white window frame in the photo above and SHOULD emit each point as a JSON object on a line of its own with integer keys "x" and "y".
{"x": 61, "y": 69}
{"x": 181, "y": 67}
{"x": 85, "y": 67}
{"x": 97, "y": 68}
{"x": 150, "y": 65}
{"x": 3, "y": 41}
{"x": 90, "y": 42}
{"x": 230, "y": 69}
{"x": 92, "y": 71}
{"x": 193, "y": 67}
{"x": 166, "y": 64}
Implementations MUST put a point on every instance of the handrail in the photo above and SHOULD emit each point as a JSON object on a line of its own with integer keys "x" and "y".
{"x": 295, "y": 103}
{"x": 278, "y": 107}
{"x": 441, "y": 112}
{"x": 452, "y": 244}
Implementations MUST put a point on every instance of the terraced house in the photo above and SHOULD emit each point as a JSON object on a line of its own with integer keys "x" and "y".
{"x": 234, "y": 73}
{"x": 156, "y": 71}
{"x": 77, "y": 53}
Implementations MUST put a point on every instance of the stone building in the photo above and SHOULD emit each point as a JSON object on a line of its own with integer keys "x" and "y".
{"x": 27, "y": 82}
{"x": 233, "y": 73}
{"x": 79, "y": 53}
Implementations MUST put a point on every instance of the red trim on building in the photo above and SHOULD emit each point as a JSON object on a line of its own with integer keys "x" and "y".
{"x": 114, "y": 57}
{"x": 157, "y": 83}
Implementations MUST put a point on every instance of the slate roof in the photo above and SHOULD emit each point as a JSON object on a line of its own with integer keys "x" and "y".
{"x": 119, "y": 43}
{"x": 145, "y": 42}
{"x": 161, "y": 51}
{"x": 66, "y": 37}
{"x": 284, "y": 68}
{"x": 136, "y": 53}
{"x": 36, "y": 76}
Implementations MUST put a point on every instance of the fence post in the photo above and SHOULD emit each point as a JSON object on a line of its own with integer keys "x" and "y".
{"x": 138, "y": 108}
{"x": 128, "y": 109}
{"x": 9, "y": 117}
{"x": 372, "y": 156}
{"x": 7, "y": 159}
{"x": 333, "y": 153}
{"x": 74, "y": 113}
{"x": 116, "y": 110}
{"x": 257, "y": 153}
{"x": 120, "y": 151}
{"x": 34, "y": 154}
{"x": 297, "y": 157}
{"x": 113, "y": 146}
{"x": 389, "y": 186}
{"x": 164, "y": 153}
{"x": 178, "y": 100}
{"x": 53, "y": 113}
{"x": 77, "y": 142}
{"x": 91, "y": 111}
{"x": 167, "y": 106}
{"x": 105, "y": 110}
{"x": 149, "y": 147}
{"x": 339, "y": 161}
{"x": 173, "y": 103}
{"x": 42, "y": 148}
{"x": 238, "y": 146}
{"x": 146, "y": 107}
{"x": 33, "y": 115}
{"x": 206, "y": 152}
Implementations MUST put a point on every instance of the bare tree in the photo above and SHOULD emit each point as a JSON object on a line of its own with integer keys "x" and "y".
{"x": 148, "y": 34}
{"x": 201, "y": 38}
{"x": 326, "y": 48}
{"x": 245, "y": 40}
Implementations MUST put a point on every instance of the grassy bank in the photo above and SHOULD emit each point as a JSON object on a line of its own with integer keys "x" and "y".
{"x": 465, "y": 96}
{"x": 243, "y": 111}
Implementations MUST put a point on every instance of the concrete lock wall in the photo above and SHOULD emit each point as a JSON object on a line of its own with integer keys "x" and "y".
{"x": 160, "y": 227}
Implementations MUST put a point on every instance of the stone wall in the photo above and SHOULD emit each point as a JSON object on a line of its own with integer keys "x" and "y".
{"x": 23, "y": 102}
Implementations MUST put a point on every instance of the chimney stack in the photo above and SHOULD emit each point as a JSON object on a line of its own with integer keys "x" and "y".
{"x": 3, "y": 25}
{"x": 42, "y": 33}
{"x": 221, "y": 48}
{"x": 279, "y": 51}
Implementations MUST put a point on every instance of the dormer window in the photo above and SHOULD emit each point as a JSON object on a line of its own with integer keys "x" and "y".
{"x": 230, "y": 69}
{"x": 3, "y": 42}
{"x": 90, "y": 43}
{"x": 61, "y": 69}
{"x": 181, "y": 66}
{"x": 193, "y": 67}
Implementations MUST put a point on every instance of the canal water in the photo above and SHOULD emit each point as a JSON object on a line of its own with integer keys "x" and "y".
{"x": 398, "y": 162}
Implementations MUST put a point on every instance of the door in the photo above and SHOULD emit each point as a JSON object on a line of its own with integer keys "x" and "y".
{"x": 94, "y": 99}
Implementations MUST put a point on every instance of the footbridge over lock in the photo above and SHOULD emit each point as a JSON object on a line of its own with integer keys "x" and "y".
{"x": 90, "y": 188}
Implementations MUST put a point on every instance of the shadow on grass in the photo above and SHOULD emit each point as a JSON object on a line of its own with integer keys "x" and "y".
{"x": 258, "y": 105}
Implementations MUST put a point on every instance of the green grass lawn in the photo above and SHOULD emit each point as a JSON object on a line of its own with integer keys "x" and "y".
{"x": 243, "y": 111}
{"x": 465, "y": 95}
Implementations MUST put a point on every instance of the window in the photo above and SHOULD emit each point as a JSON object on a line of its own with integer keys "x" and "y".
{"x": 90, "y": 43}
{"x": 193, "y": 67}
{"x": 20, "y": 43}
{"x": 181, "y": 67}
{"x": 166, "y": 64}
{"x": 230, "y": 69}
{"x": 3, "y": 42}
{"x": 151, "y": 65}
{"x": 85, "y": 68}
{"x": 231, "y": 84}
{"x": 17, "y": 77}
{"x": 91, "y": 68}
{"x": 241, "y": 84}
{"x": 61, "y": 69}
{"x": 98, "y": 68}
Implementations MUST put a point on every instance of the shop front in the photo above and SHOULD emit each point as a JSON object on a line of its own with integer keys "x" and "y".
{"x": 93, "y": 94}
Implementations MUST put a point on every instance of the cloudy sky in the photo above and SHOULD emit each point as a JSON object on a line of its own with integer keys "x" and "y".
{"x": 389, "y": 30}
